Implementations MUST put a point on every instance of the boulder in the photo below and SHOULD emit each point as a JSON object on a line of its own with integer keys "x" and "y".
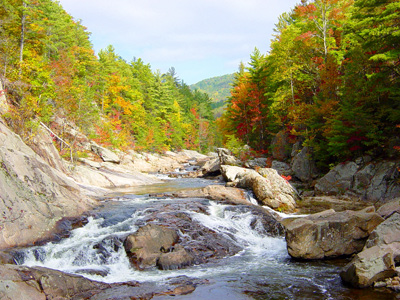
{"x": 389, "y": 208}
{"x": 338, "y": 180}
{"x": 371, "y": 265}
{"x": 377, "y": 182}
{"x": 21, "y": 283}
{"x": 211, "y": 168}
{"x": 34, "y": 195}
{"x": 270, "y": 189}
{"x": 229, "y": 173}
{"x": 105, "y": 154}
{"x": 330, "y": 234}
{"x": 378, "y": 259}
{"x": 177, "y": 258}
{"x": 303, "y": 165}
{"x": 259, "y": 162}
{"x": 282, "y": 168}
{"x": 226, "y": 158}
{"x": 146, "y": 245}
{"x": 267, "y": 185}
{"x": 220, "y": 193}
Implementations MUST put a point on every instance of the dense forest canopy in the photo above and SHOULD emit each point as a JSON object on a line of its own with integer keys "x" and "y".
{"x": 330, "y": 80}
{"x": 48, "y": 68}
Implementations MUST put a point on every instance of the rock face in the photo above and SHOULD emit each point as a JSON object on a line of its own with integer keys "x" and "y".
{"x": 303, "y": 165}
{"x": 338, "y": 180}
{"x": 268, "y": 186}
{"x": 378, "y": 259}
{"x": 226, "y": 158}
{"x": 372, "y": 182}
{"x": 34, "y": 195}
{"x": 330, "y": 234}
{"x": 22, "y": 283}
{"x": 105, "y": 154}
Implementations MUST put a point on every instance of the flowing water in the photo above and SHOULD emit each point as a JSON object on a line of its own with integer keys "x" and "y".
{"x": 262, "y": 270}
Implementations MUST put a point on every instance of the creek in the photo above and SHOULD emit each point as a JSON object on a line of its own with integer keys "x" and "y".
{"x": 261, "y": 270}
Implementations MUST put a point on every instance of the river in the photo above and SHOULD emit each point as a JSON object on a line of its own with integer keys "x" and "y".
{"x": 261, "y": 270}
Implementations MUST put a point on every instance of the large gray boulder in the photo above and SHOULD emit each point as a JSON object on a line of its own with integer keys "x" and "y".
{"x": 378, "y": 259}
{"x": 34, "y": 195}
{"x": 303, "y": 165}
{"x": 268, "y": 186}
{"x": 330, "y": 234}
{"x": 371, "y": 182}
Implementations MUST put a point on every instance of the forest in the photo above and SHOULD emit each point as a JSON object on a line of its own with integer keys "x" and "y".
{"x": 49, "y": 68}
{"x": 330, "y": 81}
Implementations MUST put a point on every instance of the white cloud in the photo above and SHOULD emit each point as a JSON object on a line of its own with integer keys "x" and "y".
{"x": 185, "y": 34}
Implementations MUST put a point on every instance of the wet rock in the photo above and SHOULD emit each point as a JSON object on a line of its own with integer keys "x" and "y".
{"x": 146, "y": 245}
{"x": 330, "y": 234}
{"x": 176, "y": 258}
{"x": 18, "y": 282}
{"x": 303, "y": 165}
{"x": 263, "y": 222}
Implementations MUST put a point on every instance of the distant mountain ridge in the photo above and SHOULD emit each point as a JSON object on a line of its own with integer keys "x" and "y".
{"x": 218, "y": 88}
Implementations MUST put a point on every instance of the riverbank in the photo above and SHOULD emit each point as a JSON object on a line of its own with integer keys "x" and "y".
{"x": 39, "y": 190}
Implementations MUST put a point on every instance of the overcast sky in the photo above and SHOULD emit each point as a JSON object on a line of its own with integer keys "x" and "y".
{"x": 199, "y": 38}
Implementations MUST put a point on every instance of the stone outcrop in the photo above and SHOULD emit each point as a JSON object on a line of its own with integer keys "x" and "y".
{"x": 105, "y": 154}
{"x": 303, "y": 166}
{"x": 330, "y": 234}
{"x": 34, "y": 195}
{"x": 267, "y": 185}
{"x": 226, "y": 158}
{"x": 371, "y": 182}
{"x": 378, "y": 259}
{"x": 23, "y": 283}
{"x": 219, "y": 193}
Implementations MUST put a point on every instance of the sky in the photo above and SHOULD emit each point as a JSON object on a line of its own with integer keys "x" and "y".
{"x": 199, "y": 38}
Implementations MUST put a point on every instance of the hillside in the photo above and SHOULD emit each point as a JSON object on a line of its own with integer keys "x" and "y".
{"x": 218, "y": 88}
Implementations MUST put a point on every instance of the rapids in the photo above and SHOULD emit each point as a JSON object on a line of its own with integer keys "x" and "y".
{"x": 261, "y": 270}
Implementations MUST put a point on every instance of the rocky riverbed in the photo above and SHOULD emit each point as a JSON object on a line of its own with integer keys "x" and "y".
{"x": 44, "y": 198}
